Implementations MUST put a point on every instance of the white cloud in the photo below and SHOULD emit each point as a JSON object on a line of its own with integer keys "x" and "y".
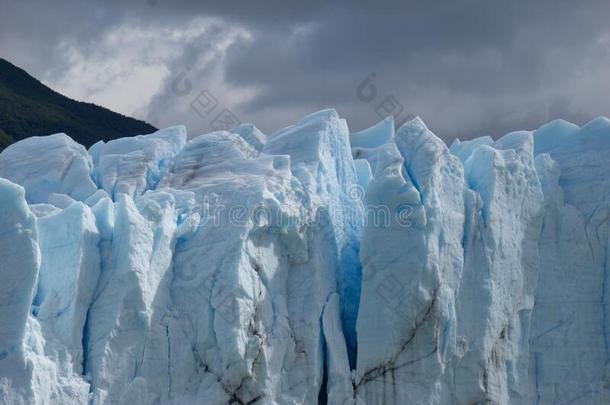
{"x": 127, "y": 66}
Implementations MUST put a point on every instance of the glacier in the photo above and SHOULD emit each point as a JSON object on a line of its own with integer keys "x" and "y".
{"x": 312, "y": 265}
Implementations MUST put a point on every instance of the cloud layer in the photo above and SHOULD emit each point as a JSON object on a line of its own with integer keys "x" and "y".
{"x": 468, "y": 68}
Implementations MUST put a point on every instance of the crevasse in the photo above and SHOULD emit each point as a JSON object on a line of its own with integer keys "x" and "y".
{"x": 307, "y": 266}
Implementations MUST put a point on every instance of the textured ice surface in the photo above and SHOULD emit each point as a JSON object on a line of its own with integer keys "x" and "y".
{"x": 62, "y": 166}
{"x": 134, "y": 165}
{"x": 307, "y": 266}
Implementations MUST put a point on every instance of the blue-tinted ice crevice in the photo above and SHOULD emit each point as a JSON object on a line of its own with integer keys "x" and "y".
{"x": 306, "y": 266}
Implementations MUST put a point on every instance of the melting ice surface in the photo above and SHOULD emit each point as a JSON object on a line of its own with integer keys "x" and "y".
{"x": 308, "y": 266}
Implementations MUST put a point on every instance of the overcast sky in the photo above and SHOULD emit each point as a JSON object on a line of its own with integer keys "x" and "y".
{"x": 468, "y": 68}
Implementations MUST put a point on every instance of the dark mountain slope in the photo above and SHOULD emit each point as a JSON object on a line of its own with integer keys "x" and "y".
{"x": 29, "y": 108}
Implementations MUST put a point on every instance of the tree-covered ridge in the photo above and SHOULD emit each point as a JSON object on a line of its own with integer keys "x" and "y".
{"x": 29, "y": 108}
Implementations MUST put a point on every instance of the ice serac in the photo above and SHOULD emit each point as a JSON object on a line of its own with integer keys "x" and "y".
{"x": 452, "y": 275}
{"x": 230, "y": 347}
{"x": 327, "y": 189}
{"x": 364, "y": 143}
{"x": 412, "y": 267}
{"x": 125, "y": 334}
{"x": 463, "y": 149}
{"x": 19, "y": 266}
{"x": 363, "y": 173}
{"x": 252, "y": 135}
{"x": 69, "y": 272}
{"x": 134, "y": 165}
{"x": 308, "y": 266}
{"x": 377, "y": 135}
{"x": 35, "y": 367}
{"x": 62, "y": 166}
{"x": 552, "y": 135}
{"x": 569, "y": 343}
{"x": 500, "y": 268}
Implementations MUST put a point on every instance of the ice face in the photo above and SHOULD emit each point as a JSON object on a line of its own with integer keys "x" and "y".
{"x": 307, "y": 266}
{"x": 69, "y": 273}
{"x": 134, "y": 165}
{"x": 63, "y": 167}
{"x": 251, "y": 135}
{"x": 570, "y": 320}
{"x": 375, "y": 136}
{"x": 20, "y": 264}
{"x": 36, "y": 366}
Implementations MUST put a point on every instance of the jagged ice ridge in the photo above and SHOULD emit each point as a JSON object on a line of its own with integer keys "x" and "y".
{"x": 307, "y": 266}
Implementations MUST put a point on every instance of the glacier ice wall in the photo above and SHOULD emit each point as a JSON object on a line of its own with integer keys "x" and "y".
{"x": 307, "y": 266}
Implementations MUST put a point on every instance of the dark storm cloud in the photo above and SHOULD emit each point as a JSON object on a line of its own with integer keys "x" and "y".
{"x": 469, "y": 68}
{"x": 499, "y": 61}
